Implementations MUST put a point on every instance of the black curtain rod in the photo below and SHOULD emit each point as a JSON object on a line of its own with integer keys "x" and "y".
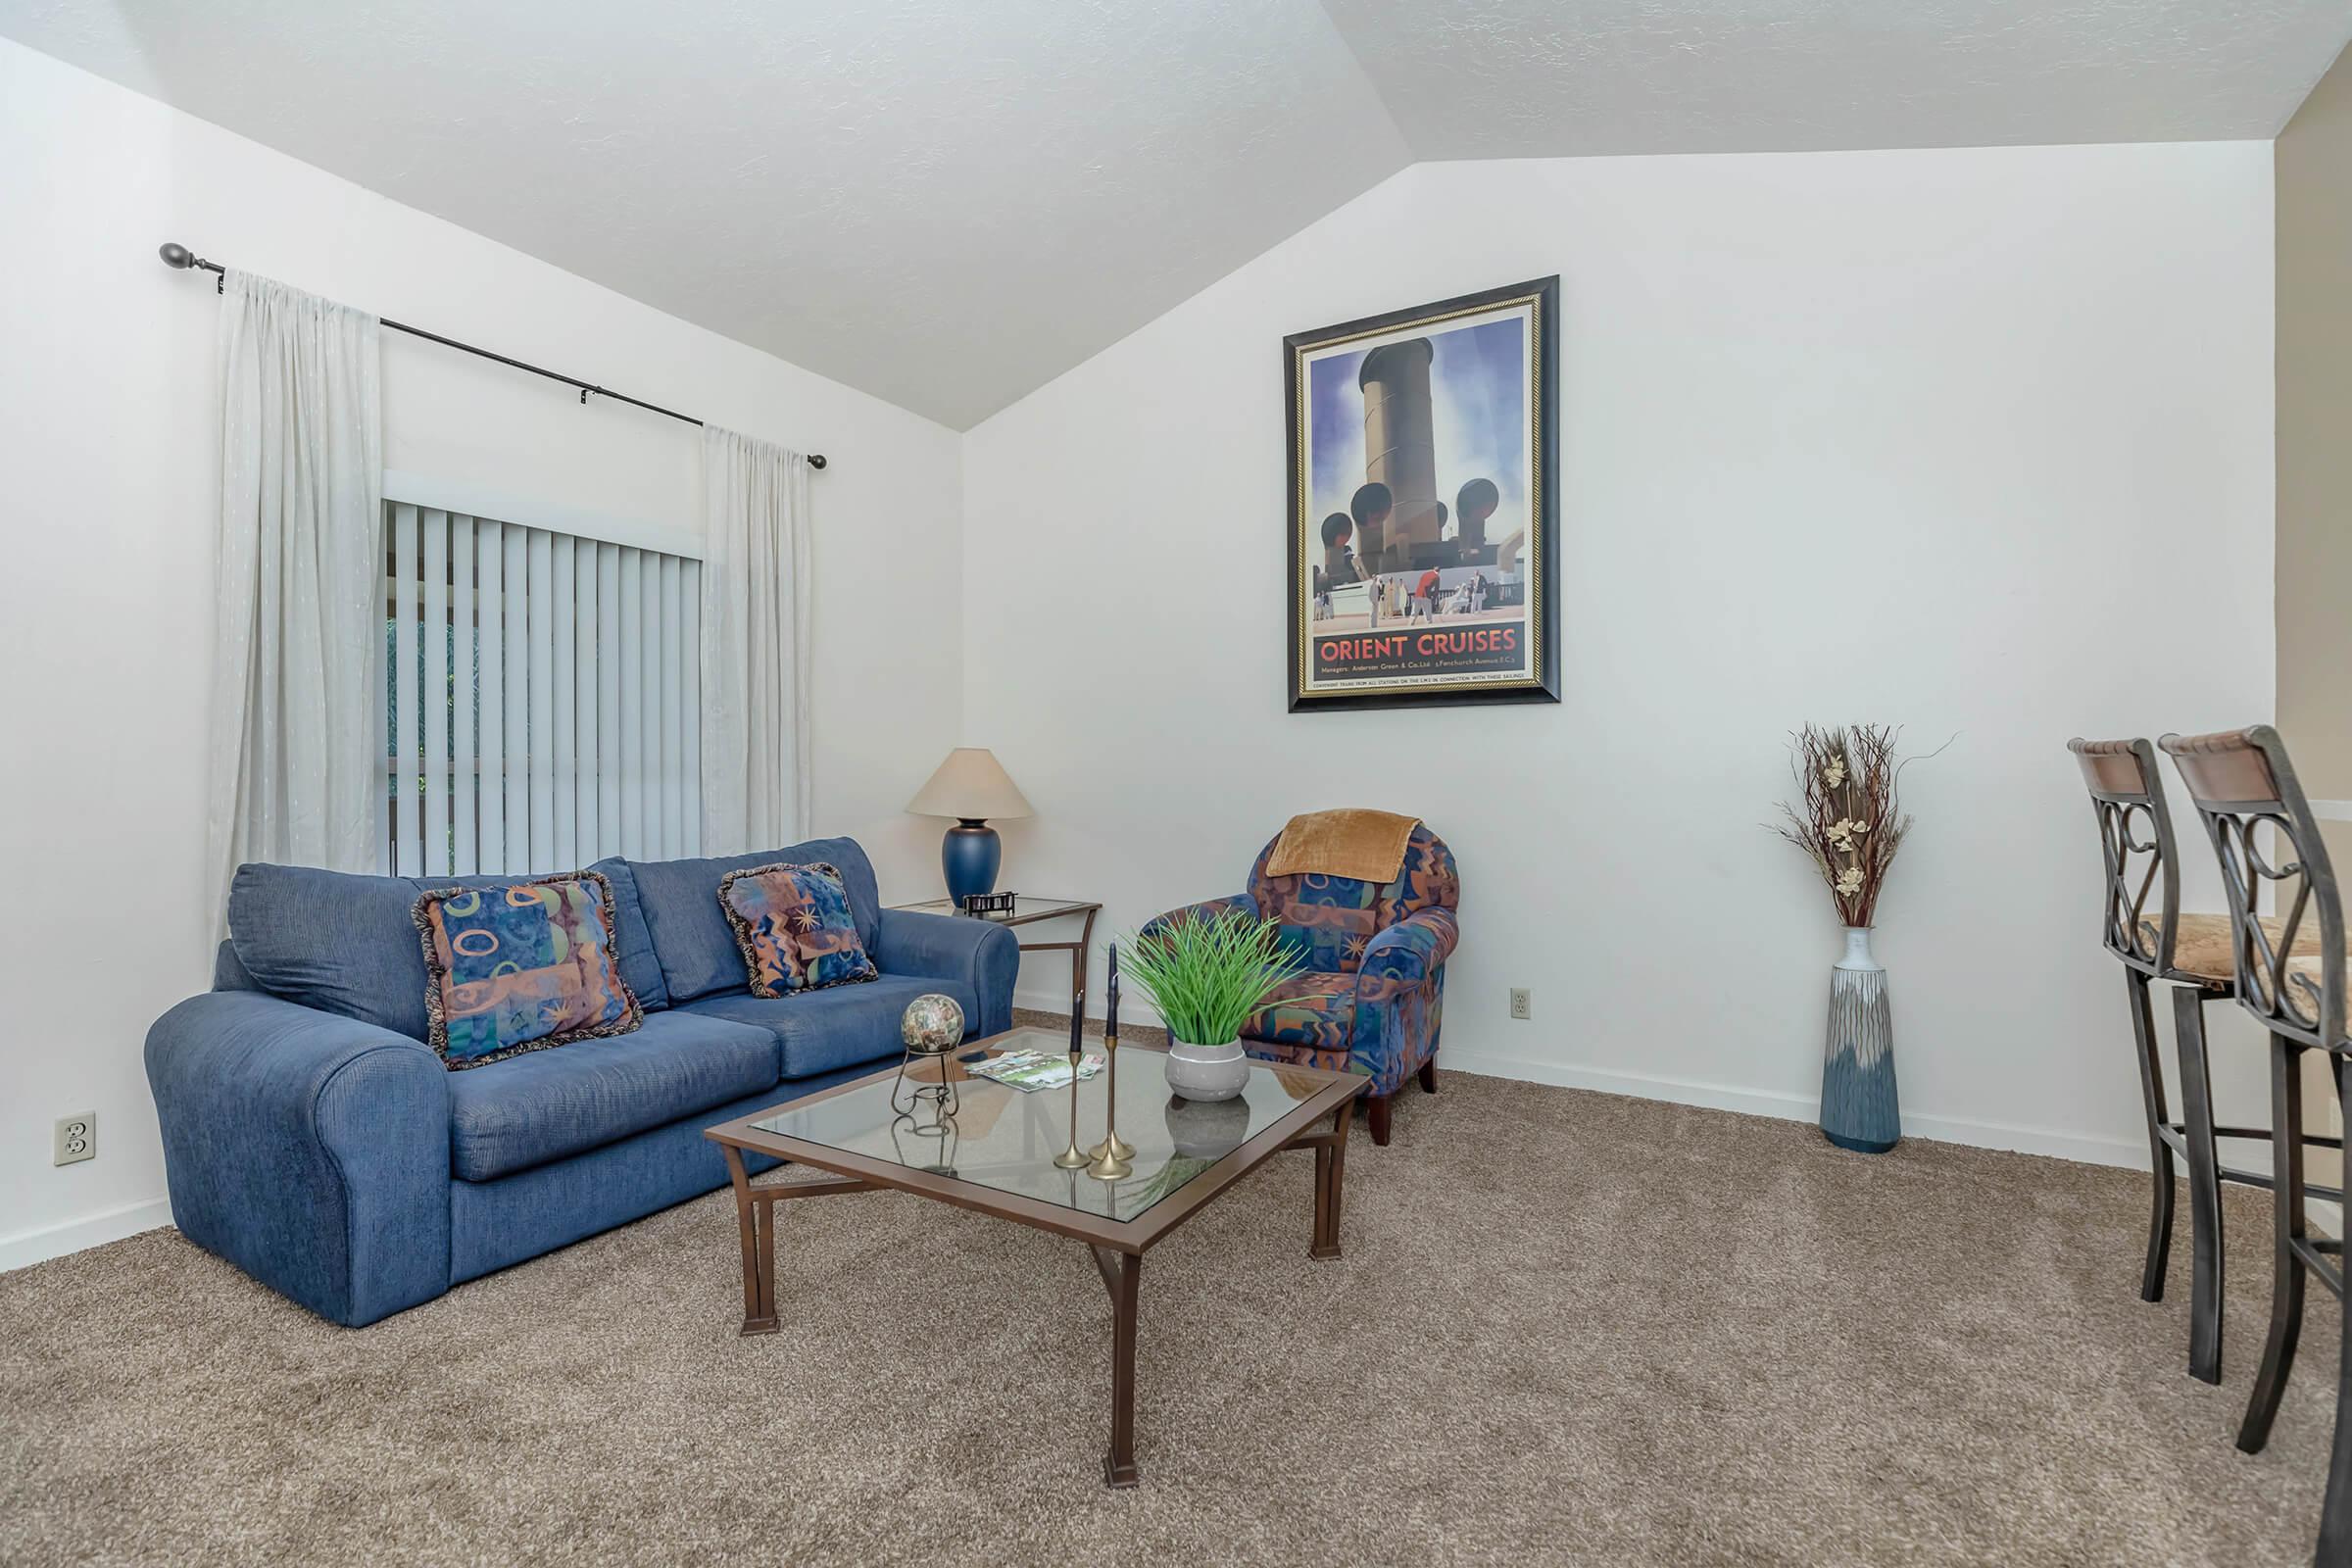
{"x": 179, "y": 255}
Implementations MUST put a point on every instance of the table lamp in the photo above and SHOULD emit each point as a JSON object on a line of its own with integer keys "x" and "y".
{"x": 971, "y": 787}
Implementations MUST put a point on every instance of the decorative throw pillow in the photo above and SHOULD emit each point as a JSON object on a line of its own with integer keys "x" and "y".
{"x": 522, "y": 969}
{"x": 793, "y": 923}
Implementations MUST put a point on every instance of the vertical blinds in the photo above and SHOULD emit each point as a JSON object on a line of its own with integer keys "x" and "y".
{"x": 544, "y": 697}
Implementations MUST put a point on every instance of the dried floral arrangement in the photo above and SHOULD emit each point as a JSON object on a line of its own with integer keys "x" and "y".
{"x": 1850, "y": 820}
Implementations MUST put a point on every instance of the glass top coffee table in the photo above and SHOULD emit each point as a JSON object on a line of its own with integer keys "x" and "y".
{"x": 993, "y": 1153}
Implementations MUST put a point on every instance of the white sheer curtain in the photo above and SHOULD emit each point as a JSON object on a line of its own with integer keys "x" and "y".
{"x": 296, "y": 763}
{"x": 756, "y": 748}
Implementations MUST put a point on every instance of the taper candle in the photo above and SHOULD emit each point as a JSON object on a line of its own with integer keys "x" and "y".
{"x": 1114, "y": 1154}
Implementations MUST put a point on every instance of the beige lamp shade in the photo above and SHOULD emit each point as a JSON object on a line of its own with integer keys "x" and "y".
{"x": 970, "y": 785}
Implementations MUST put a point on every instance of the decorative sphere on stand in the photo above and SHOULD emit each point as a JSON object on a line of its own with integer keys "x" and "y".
{"x": 933, "y": 1024}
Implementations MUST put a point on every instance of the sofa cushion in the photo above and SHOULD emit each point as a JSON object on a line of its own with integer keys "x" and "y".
{"x": 339, "y": 943}
{"x": 793, "y": 925}
{"x": 819, "y": 1031}
{"x": 690, "y": 932}
{"x": 531, "y": 1108}
{"x": 347, "y": 944}
{"x": 522, "y": 968}
{"x": 634, "y": 944}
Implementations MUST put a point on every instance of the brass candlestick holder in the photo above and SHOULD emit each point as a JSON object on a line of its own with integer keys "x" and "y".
{"x": 1072, "y": 1158}
{"x": 1113, "y": 1157}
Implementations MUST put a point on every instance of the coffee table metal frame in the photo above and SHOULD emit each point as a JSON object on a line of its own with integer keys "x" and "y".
{"x": 1116, "y": 1246}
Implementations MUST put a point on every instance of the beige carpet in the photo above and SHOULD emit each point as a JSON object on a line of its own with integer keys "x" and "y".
{"x": 1569, "y": 1327}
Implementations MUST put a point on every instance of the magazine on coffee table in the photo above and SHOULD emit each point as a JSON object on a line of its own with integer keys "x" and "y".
{"x": 1031, "y": 1070}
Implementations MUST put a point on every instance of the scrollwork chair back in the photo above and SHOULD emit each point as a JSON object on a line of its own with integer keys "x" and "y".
{"x": 2243, "y": 784}
{"x": 2135, "y": 839}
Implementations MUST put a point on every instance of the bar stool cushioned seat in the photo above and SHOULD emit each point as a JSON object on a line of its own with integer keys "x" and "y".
{"x": 2203, "y": 946}
{"x": 2303, "y": 973}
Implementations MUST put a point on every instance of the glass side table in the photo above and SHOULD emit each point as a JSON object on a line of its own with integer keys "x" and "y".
{"x": 1027, "y": 910}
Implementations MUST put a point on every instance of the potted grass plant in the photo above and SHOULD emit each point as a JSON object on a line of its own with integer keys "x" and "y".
{"x": 1204, "y": 978}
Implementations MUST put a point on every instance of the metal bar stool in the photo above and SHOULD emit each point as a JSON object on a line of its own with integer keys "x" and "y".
{"x": 2193, "y": 953}
{"x": 2242, "y": 782}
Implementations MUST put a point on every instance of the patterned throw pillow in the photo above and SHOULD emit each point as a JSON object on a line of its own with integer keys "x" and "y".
{"x": 793, "y": 923}
{"x": 522, "y": 969}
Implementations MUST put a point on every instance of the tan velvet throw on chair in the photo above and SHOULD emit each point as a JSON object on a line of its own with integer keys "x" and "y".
{"x": 1353, "y": 841}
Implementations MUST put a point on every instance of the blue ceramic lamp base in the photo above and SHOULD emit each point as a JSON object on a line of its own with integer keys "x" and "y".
{"x": 970, "y": 854}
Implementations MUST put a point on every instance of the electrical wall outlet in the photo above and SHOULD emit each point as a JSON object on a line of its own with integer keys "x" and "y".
{"x": 1522, "y": 1005}
{"x": 76, "y": 1139}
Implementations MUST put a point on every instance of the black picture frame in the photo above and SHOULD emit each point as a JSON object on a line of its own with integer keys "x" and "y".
{"x": 1539, "y": 680}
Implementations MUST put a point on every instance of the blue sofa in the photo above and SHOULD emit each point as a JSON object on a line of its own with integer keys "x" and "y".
{"x": 314, "y": 1139}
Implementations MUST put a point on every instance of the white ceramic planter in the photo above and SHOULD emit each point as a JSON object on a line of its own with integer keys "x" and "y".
{"x": 1207, "y": 1072}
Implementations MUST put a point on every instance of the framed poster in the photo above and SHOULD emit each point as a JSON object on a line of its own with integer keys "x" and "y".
{"x": 1424, "y": 500}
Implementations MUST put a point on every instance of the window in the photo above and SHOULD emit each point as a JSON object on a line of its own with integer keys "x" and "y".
{"x": 543, "y": 696}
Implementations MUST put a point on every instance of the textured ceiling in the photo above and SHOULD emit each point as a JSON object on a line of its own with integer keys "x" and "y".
{"x": 949, "y": 202}
{"x": 1543, "y": 79}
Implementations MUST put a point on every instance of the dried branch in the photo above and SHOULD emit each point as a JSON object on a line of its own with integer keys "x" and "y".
{"x": 1851, "y": 822}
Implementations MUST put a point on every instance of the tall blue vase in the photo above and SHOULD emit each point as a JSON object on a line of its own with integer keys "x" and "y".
{"x": 1859, "y": 1107}
{"x": 969, "y": 858}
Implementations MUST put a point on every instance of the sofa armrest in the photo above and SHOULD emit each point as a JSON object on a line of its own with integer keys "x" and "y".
{"x": 309, "y": 1149}
{"x": 1413, "y": 949}
{"x": 954, "y": 947}
{"x": 1241, "y": 904}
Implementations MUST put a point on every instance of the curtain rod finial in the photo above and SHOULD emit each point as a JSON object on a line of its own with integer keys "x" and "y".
{"x": 816, "y": 460}
{"x": 175, "y": 255}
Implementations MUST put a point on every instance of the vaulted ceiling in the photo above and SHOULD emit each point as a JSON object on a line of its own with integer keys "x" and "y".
{"x": 947, "y": 202}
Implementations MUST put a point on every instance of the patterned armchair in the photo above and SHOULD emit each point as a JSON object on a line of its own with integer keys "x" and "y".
{"x": 1375, "y": 975}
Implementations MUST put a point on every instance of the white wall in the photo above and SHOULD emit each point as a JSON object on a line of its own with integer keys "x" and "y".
{"x": 1972, "y": 441}
{"x": 108, "y": 435}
